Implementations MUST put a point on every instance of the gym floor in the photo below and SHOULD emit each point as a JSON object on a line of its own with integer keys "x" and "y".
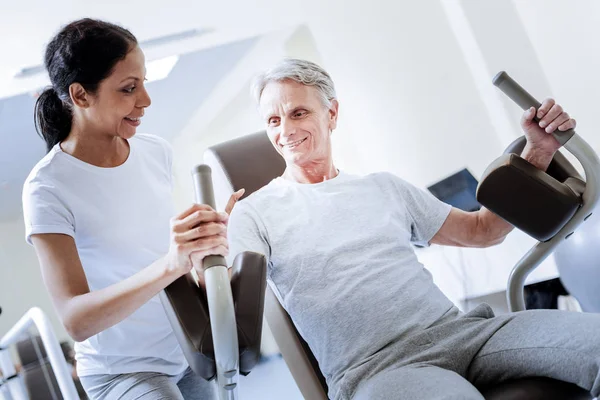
{"x": 269, "y": 380}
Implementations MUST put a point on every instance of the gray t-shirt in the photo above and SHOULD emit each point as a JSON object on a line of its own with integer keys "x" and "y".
{"x": 341, "y": 263}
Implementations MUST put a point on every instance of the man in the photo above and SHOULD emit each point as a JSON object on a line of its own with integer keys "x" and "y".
{"x": 341, "y": 263}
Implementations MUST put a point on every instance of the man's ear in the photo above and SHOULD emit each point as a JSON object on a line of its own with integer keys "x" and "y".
{"x": 333, "y": 114}
{"x": 79, "y": 95}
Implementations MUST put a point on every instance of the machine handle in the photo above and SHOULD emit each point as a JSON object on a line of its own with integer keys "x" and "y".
{"x": 203, "y": 189}
{"x": 220, "y": 300}
{"x": 520, "y": 96}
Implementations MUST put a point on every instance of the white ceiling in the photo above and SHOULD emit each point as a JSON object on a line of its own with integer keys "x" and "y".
{"x": 26, "y": 27}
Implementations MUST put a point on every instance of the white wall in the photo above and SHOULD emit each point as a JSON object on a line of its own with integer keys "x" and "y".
{"x": 406, "y": 96}
{"x": 565, "y": 37}
{"x": 21, "y": 285}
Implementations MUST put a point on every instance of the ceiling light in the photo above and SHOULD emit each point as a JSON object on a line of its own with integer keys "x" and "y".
{"x": 161, "y": 68}
{"x": 28, "y": 72}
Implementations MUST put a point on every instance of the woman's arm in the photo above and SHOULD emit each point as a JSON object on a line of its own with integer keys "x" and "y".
{"x": 85, "y": 313}
{"x": 196, "y": 233}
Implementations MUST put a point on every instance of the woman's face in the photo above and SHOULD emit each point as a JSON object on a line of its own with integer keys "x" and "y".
{"x": 118, "y": 105}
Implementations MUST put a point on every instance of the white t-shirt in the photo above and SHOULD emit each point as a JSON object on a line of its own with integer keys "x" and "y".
{"x": 119, "y": 218}
{"x": 341, "y": 262}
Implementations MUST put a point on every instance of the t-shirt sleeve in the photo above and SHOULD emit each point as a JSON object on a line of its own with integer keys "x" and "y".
{"x": 246, "y": 232}
{"x": 44, "y": 211}
{"x": 426, "y": 213}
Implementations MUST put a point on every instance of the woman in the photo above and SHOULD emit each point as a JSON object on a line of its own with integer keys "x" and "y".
{"x": 98, "y": 212}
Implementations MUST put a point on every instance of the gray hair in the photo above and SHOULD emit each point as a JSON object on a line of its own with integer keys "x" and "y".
{"x": 300, "y": 71}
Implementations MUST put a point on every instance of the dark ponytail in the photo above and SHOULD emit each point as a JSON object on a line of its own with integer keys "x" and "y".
{"x": 52, "y": 118}
{"x": 84, "y": 52}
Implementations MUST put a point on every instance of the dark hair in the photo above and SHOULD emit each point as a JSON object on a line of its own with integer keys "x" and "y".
{"x": 85, "y": 51}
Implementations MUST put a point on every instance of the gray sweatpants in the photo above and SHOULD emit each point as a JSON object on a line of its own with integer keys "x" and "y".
{"x": 149, "y": 386}
{"x": 459, "y": 352}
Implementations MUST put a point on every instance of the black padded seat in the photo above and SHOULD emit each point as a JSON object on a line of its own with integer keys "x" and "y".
{"x": 536, "y": 389}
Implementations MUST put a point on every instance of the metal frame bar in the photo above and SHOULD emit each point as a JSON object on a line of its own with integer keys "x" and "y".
{"x": 37, "y": 318}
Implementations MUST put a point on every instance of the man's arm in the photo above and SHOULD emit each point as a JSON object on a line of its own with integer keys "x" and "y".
{"x": 472, "y": 229}
{"x": 483, "y": 228}
{"x": 246, "y": 231}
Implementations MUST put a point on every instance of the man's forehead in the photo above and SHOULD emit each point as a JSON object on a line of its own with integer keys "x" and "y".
{"x": 285, "y": 95}
{"x": 271, "y": 105}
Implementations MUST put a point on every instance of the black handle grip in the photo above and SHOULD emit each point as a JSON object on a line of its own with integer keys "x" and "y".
{"x": 203, "y": 189}
{"x": 520, "y": 96}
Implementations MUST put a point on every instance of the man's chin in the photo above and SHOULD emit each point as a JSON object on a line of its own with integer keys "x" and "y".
{"x": 294, "y": 158}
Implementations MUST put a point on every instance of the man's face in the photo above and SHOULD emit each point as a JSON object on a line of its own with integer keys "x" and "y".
{"x": 298, "y": 124}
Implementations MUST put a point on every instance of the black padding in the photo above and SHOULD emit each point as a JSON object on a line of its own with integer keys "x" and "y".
{"x": 28, "y": 355}
{"x": 235, "y": 157}
{"x": 536, "y": 202}
{"x": 36, "y": 381}
{"x": 248, "y": 284}
{"x": 187, "y": 309}
{"x": 560, "y": 168}
{"x": 40, "y": 386}
{"x": 37, "y": 374}
{"x": 186, "y": 306}
{"x": 26, "y": 350}
{"x": 535, "y": 389}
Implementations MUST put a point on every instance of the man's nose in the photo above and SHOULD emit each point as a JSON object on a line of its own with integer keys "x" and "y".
{"x": 287, "y": 127}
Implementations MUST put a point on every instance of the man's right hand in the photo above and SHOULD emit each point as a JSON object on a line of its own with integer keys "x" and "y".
{"x": 196, "y": 233}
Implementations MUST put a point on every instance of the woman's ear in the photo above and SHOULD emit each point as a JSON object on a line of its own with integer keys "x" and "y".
{"x": 79, "y": 95}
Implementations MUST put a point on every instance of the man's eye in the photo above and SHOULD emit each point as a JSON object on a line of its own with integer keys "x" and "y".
{"x": 299, "y": 113}
{"x": 273, "y": 121}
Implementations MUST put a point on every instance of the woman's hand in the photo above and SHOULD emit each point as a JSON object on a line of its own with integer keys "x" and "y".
{"x": 196, "y": 233}
{"x": 198, "y": 265}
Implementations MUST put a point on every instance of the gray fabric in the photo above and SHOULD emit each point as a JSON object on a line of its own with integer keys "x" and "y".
{"x": 462, "y": 350}
{"x": 341, "y": 261}
{"x": 418, "y": 382}
{"x": 148, "y": 386}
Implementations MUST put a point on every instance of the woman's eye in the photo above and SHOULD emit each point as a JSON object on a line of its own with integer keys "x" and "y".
{"x": 129, "y": 90}
{"x": 272, "y": 121}
{"x": 299, "y": 113}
